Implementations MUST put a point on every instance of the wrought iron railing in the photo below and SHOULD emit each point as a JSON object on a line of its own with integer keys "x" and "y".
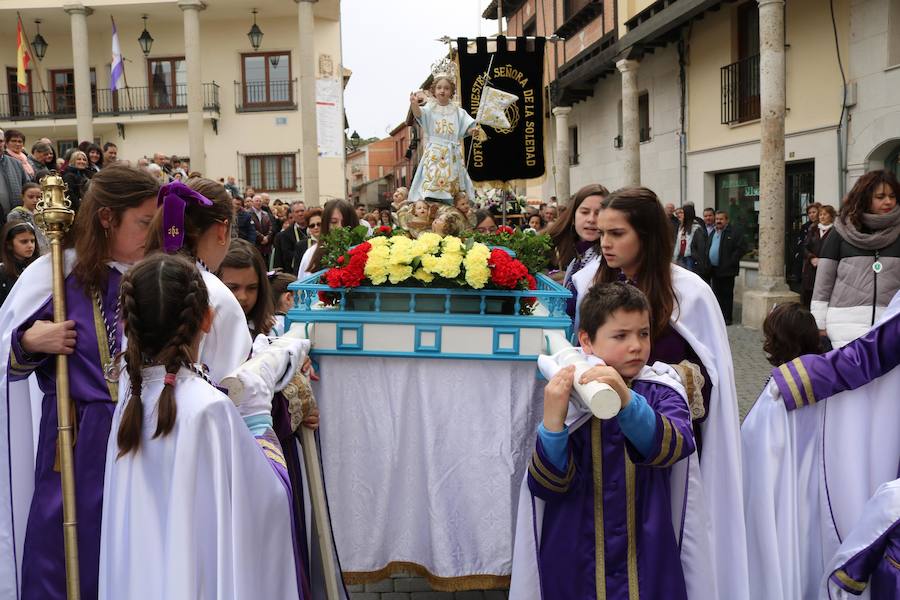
{"x": 259, "y": 95}
{"x": 740, "y": 91}
{"x": 106, "y": 102}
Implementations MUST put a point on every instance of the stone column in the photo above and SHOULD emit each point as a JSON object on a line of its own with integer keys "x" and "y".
{"x": 770, "y": 286}
{"x": 631, "y": 123}
{"x": 84, "y": 112}
{"x": 561, "y": 165}
{"x": 309, "y": 146}
{"x": 196, "y": 146}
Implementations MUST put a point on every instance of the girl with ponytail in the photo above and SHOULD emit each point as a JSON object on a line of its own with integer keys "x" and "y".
{"x": 197, "y": 499}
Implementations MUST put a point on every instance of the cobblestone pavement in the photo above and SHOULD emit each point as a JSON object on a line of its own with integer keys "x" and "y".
{"x": 751, "y": 370}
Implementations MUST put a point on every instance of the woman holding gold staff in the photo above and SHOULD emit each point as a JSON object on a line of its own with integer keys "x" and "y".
{"x": 108, "y": 235}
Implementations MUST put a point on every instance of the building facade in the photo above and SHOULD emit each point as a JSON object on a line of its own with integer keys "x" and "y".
{"x": 694, "y": 67}
{"x": 370, "y": 172}
{"x": 200, "y": 90}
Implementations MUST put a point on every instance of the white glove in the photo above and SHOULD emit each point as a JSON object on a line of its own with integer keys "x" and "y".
{"x": 255, "y": 394}
{"x": 296, "y": 350}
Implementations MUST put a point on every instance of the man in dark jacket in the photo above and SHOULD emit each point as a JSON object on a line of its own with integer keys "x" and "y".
{"x": 724, "y": 248}
{"x": 286, "y": 240}
{"x": 40, "y": 154}
{"x": 245, "y": 229}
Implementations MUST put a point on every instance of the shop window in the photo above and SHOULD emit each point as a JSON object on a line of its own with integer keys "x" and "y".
{"x": 737, "y": 193}
{"x": 271, "y": 172}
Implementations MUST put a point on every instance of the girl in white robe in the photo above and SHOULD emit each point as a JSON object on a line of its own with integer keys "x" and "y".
{"x": 197, "y": 501}
{"x": 637, "y": 247}
{"x": 201, "y": 212}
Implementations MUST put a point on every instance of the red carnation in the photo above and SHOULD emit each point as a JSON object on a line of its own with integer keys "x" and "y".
{"x": 352, "y": 273}
{"x": 506, "y": 229}
{"x": 361, "y": 249}
{"x": 333, "y": 278}
{"x": 506, "y": 272}
{"x": 384, "y": 229}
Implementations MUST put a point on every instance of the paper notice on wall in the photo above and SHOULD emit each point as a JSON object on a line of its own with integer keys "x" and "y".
{"x": 329, "y": 121}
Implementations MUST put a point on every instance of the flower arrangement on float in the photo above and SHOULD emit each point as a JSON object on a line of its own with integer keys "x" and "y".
{"x": 390, "y": 258}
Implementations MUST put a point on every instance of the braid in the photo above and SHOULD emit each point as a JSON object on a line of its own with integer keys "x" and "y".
{"x": 129, "y": 434}
{"x": 164, "y": 301}
{"x": 178, "y": 352}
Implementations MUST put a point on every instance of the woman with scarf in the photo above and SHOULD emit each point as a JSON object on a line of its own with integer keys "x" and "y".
{"x": 15, "y": 144}
{"x": 859, "y": 265}
{"x": 812, "y": 247}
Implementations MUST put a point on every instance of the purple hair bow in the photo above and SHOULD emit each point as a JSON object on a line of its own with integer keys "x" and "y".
{"x": 174, "y": 198}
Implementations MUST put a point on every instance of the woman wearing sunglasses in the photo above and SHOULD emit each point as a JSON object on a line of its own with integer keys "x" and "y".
{"x": 313, "y": 218}
{"x": 19, "y": 250}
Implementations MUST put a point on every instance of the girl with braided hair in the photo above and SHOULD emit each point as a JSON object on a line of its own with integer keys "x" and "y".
{"x": 197, "y": 501}
{"x": 195, "y": 219}
{"x": 108, "y": 235}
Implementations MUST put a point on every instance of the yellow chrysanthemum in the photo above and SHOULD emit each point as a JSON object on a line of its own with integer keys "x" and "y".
{"x": 445, "y": 265}
{"x": 377, "y": 264}
{"x": 478, "y": 273}
{"x": 423, "y": 275}
{"x": 399, "y": 273}
{"x": 452, "y": 245}
{"x": 403, "y": 251}
{"x": 428, "y": 243}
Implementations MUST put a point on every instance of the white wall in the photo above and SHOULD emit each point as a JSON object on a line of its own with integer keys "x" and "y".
{"x": 598, "y": 124}
{"x": 875, "y": 119}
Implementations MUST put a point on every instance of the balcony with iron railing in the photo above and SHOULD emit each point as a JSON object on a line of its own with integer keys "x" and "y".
{"x": 740, "y": 91}
{"x": 257, "y": 96}
{"x": 105, "y": 102}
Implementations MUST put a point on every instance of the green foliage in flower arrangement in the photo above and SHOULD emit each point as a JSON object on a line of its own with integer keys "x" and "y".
{"x": 339, "y": 241}
{"x": 533, "y": 249}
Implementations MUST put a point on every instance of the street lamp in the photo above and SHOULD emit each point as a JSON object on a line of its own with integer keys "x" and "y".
{"x": 255, "y": 34}
{"x": 354, "y": 140}
{"x": 146, "y": 40}
{"x": 39, "y": 43}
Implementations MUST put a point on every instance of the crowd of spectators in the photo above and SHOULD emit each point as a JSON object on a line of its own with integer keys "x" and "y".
{"x": 708, "y": 245}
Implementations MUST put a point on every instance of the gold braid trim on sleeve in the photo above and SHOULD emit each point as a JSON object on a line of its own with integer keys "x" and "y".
{"x": 300, "y": 399}
{"x": 693, "y": 381}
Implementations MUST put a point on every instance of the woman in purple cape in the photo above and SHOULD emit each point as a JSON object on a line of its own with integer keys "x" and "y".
{"x": 108, "y": 235}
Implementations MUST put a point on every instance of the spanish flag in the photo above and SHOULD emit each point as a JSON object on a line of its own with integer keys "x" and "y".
{"x": 22, "y": 58}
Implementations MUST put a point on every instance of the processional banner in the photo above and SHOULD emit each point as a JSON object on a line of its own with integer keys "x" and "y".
{"x": 517, "y": 151}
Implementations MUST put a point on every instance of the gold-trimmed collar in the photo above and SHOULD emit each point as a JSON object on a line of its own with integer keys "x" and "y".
{"x": 103, "y": 348}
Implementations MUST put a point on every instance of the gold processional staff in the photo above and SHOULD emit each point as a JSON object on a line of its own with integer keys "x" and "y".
{"x": 54, "y": 216}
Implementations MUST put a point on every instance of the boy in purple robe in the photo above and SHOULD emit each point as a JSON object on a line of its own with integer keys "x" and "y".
{"x": 868, "y": 561}
{"x": 607, "y": 526}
